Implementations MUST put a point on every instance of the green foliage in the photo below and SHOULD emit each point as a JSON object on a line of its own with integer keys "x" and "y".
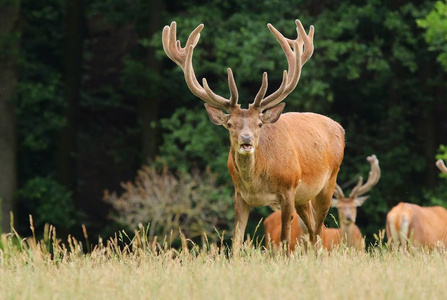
{"x": 435, "y": 24}
{"x": 49, "y": 202}
{"x": 117, "y": 11}
{"x": 42, "y": 99}
{"x": 40, "y": 92}
{"x": 139, "y": 80}
{"x": 442, "y": 154}
{"x": 8, "y": 45}
{"x": 191, "y": 140}
{"x": 9, "y": 3}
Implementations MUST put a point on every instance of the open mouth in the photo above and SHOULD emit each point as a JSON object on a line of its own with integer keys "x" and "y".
{"x": 246, "y": 148}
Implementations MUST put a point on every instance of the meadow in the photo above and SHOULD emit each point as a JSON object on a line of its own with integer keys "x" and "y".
{"x": 139, "y": 269}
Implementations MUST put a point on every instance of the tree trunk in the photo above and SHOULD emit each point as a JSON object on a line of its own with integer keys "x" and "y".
{"x": 67, "y": 150}
{"x": 9, "y": 41}
{"x": 148, "y": 106}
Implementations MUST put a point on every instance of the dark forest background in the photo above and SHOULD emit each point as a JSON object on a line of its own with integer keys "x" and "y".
{"x": 88, "y": 97}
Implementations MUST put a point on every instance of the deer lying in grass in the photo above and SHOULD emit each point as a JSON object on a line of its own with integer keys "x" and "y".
{"x": 347, "y": 213}
{"x": 423, "y": 226}
{"x": 281, "y": 159}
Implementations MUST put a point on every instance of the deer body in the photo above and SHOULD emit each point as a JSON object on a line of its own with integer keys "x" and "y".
{"x": 424, "y": 226}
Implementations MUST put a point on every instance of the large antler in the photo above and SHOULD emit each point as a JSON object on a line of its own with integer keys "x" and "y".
{"x": 373, "y": 178}
{"x": 183, "y": 58}
{"x": 296, "y": 58}
{"x": 440, "y": 164}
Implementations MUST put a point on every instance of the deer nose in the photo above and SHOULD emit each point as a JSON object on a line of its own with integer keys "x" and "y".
{"x": 246, "y": 138}
{"x": 349, "y": 218}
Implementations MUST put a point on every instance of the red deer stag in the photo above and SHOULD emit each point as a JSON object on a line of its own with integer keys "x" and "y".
{"x": 275, "y": 159}
{"x": 347, "y": 213}
{"x": 423, "y": 226}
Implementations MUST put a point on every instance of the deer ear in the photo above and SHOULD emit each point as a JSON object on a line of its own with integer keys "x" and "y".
{"x": 216, "y": 116}
{"x": 334, "y": 202}
{"x": 272, "y": 115}
{"x": 359, "y": 200}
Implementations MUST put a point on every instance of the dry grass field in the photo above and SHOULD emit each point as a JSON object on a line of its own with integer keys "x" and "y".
{"x": 142, "y": 270}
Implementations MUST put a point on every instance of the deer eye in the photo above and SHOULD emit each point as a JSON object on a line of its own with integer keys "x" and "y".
{"x": 260, "y": 124}
{"x": 229, "y": 125}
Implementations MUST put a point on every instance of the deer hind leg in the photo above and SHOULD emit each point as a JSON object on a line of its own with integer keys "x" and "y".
{"x": 392, "y": 231}
{"x": 306, "y": 213}
{"x": 322, "y": 204}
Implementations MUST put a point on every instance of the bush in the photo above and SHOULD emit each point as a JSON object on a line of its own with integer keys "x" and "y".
{"x": 49, "y": 202}
{"x": 190, "y": 201}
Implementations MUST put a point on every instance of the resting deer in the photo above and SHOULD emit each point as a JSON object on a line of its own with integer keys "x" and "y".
{"x": 347, "y": 207}
{"x": 423, "y": 226}
{"x": 347, "y": 214}
{"x": 275, "y": 159}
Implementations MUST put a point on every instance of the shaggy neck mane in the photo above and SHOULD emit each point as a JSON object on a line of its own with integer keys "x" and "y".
{"x": 245, "y": 164}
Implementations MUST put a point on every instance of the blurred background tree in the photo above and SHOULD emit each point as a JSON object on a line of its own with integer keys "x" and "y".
{"x": 97, "y": 98}
{"x": 435, "y": 24}
{"x": 9, "y": 55}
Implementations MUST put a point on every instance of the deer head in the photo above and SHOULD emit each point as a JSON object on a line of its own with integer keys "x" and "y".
{"x": 347, "y": 206}
{"x": 244, "y": 125}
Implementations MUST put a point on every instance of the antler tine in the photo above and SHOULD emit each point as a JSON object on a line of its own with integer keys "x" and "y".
{"x": 234, "y": 95}
{"x": 357, "y": 186}
{"x": 183, "y": 58}
{"x": 441, "y": 165}
{"x": 172, "y": 46}
{"x": 338, "y": 192}
{"x": 296, "y": 58}
{"x": 373, "y": 178}
{"x": 262, "y": 90}
{"x": 307, "y": 41}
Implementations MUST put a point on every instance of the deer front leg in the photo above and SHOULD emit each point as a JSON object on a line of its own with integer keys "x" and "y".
{"x": 241, "y": 212}
{"x": 287, "y": 210}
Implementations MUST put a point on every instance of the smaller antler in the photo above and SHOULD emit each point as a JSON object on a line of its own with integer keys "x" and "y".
{"x": 440, "y": 164}
{"x": 183, "y": 58}
{"x": 338, "y": 192}
{"x": 373, "y": 178}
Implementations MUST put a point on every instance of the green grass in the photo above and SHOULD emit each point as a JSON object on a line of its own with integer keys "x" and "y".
{"x": 141, "y": 269}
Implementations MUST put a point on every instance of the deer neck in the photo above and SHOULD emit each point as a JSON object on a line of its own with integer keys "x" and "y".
{"x": 245, "y": 165}
{"x": 347, "y": 231}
